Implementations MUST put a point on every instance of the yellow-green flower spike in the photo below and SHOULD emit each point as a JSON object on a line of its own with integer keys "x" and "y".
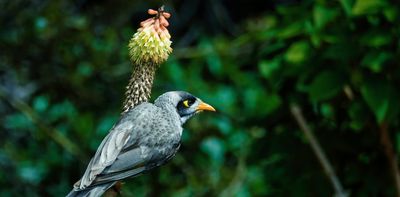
{"x": 151, "y": 43}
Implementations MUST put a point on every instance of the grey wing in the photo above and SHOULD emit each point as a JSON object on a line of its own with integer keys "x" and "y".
{"x": 128, "y": 164}
{"x": 113, "y": 145}
{"x": 107, "y": 152}
{"x": 137, "y": 158}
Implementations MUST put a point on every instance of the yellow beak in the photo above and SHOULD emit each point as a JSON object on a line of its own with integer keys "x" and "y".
{"x": 205, "y": 107}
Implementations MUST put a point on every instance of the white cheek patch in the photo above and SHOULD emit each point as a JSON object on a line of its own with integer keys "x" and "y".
{"x": 185, "y": 118}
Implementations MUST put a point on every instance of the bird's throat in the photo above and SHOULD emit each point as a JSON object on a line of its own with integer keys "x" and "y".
{"x": 139, "y": 87}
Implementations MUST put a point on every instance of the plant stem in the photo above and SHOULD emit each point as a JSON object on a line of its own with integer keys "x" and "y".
{"x": 319, "y": 152}
{"x": 391, "y": 155}
{"x": 52, "y": 133}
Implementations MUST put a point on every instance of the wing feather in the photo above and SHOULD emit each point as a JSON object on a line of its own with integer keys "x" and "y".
{"x": 107, "y": 152}
{"x": 125, "y": 161}
{"x": 121, "y": 136}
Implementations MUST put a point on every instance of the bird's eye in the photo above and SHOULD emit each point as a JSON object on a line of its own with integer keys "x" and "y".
{"x": 186, "y": 103}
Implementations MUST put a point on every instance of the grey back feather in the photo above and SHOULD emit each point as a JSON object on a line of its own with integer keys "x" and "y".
{"x": 145, "y": 137}
{"x": 123, "y": 134}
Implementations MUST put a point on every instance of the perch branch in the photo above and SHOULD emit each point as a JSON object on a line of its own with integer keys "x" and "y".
{"x": 391, "y": 155}
{"x": 326, "y": 165}
{"x": 238, "y": 178}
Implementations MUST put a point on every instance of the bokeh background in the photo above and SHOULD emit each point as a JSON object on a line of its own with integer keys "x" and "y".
{"x": 64, "y": 66}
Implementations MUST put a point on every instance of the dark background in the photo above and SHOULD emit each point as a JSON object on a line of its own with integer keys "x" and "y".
{"x": 64, "y": 66}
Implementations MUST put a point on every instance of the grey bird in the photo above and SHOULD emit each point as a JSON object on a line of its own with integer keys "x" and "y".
{"x": 145, "y": 137}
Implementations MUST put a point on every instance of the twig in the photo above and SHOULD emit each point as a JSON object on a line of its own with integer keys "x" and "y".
{"x": 53, "y": 134}
{"x": 391, "y": 155}
{"x": 238, "y": 178}
{"x": 328, "y": 169}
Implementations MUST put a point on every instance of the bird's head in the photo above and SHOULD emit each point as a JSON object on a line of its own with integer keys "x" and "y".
{"x": 185, "y": 104}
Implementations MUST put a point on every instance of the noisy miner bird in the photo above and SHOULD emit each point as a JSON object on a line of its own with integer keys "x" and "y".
{"x": 145, "y": 137}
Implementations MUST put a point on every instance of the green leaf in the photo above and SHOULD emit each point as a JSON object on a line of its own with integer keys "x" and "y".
{"x": 229, "y": 96}
{"x": 40, "y": 103}
{"x": 237, "y": 140}
{"x": 358, "y": 114}
{"x": 17, "y": 121}
{"x": 223, "y": 124}
{"x": 391, "y": 13}
{"x": 267, "y": 68}
{"x": 258, "y": 100}
{"x": 213, "y": 60}
{"x": 327, "y": 110}
{"x": 215, "y": 149}
{"x": 362, "y": 7}
{"x": 291, "y": 30}
{"x": 376, "y": 39}
{"x": 175, "y": 73}
{"x": 85, "y": 69}
{"x": 382, "y": 99}
{"x": 41, "y": 23}
{"x": 297, "y": 52}
{"x": 323, "y": 16}
{"x": 375, "y": 61}
{"x": 326, "y": 85}
{"x": 64, "y": 109}
{"x": 347, "y": 4}
{"x": 84, "y": 125}
{"x": 30, "y": 174}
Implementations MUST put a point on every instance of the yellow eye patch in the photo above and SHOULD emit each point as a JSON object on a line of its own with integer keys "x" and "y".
{"x": 186, "y": 103}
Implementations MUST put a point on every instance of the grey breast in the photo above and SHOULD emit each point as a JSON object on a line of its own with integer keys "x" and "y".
{"x": 163, "y": 139}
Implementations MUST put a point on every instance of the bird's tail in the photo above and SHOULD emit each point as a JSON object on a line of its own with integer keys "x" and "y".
{"x": 94, "y": 191}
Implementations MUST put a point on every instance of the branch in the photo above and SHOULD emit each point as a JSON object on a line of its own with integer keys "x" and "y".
{"x": 238, "y": 178}
{"x": 52, "y": 133}
{"x": 390, "y": 154}
{"x": 326, "y": 165}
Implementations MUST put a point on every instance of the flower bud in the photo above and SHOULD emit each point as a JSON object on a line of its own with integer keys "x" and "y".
{"x": 151, "y": 43}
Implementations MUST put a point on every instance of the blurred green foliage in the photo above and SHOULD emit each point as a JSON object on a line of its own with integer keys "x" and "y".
{"x": 64, "y": 66}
